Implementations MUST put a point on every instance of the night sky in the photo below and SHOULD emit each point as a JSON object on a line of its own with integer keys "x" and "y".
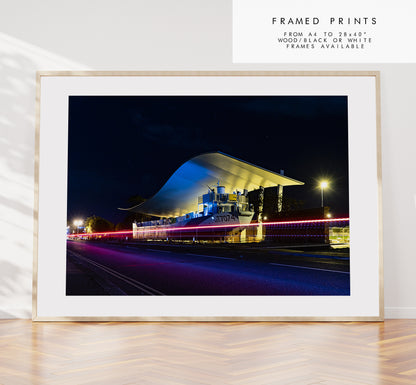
{"x": 121, "y": 146}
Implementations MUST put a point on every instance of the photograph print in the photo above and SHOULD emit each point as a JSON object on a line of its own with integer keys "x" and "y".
{"x": 208, "y": 195}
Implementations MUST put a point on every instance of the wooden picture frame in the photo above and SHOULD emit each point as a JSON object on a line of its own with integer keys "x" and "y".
{"x": 361, "y": 93}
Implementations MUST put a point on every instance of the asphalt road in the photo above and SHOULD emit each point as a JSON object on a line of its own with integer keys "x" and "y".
{"x": 102, "y": 269}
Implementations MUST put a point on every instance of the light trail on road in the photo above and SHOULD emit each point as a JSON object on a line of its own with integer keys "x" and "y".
{"x": 206, "y": 227}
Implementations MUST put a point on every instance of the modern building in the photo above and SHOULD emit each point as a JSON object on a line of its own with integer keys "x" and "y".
{"x": 207, "y": 198}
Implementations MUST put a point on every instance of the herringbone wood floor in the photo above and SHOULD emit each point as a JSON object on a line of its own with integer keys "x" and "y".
{"x": 208, "y": 353}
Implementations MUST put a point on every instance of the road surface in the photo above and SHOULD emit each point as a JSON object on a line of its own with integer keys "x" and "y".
{"x": 95, "y": 268}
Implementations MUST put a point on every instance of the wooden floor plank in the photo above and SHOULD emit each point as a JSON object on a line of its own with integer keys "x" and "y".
{"x": 234, "y": 353}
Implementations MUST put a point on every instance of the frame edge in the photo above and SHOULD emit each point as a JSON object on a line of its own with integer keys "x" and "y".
{"x": 40, "y": 74}
{"x": 379, "y": 195}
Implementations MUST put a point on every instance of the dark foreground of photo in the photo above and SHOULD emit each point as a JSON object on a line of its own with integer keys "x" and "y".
{"x": 100, "y": 268}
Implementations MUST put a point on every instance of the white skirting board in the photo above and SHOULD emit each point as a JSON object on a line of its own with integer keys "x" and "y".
{"x": 15, "y": 313}
{"x": 400, "y": 313}
{"x": 389, "y": 313}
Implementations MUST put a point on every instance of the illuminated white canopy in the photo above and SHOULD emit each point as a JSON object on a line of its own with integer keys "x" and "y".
{"x": 179, "y": 195}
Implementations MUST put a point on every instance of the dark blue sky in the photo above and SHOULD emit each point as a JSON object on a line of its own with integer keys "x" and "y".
{"x": 120, "y": 146}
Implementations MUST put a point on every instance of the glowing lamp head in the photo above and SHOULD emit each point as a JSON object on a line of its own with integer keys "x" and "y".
{"x": 78, "y": 222}
{"x": 324, "y": 184}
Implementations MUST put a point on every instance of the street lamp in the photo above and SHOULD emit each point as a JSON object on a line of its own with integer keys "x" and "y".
{"x": 323, "y": 185}
{"x": 78, "y": 223}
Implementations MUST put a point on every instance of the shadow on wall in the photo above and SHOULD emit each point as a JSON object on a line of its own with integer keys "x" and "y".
{"x": 19, "y": 62}
{"x": 11, "y": 274}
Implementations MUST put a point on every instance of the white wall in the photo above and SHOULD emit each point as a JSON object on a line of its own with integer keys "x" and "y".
{"x": 166, "y": 35}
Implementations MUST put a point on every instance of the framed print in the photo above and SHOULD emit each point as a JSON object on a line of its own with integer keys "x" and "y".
{"x": 208, "y": 196}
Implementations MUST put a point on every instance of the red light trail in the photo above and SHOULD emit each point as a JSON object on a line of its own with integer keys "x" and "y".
{"x": 149, "y": 229}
